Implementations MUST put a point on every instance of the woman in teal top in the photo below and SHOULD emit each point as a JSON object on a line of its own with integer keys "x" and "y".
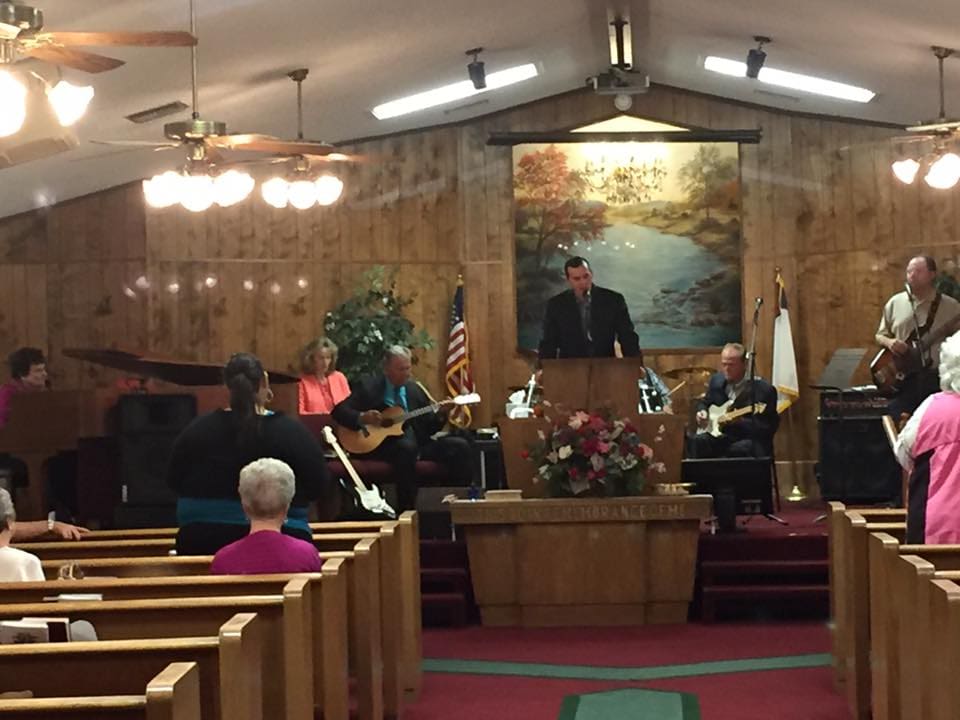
{"x": 208, "y": 455}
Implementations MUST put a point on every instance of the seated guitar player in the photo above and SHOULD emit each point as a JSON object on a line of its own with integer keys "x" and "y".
{"x": 726, "y": 427}
{"x": 393, "y": 387}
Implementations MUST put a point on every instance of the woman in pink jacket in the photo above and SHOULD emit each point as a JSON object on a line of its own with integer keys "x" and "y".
{"x": 322, "y": 386}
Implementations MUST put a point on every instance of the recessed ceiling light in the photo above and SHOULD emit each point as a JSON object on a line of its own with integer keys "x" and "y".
{"x": 794, "y": 81}
{"x": 453, "y": 92}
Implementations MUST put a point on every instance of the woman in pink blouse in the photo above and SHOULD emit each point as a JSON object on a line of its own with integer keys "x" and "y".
{"x": 321, "y": 385}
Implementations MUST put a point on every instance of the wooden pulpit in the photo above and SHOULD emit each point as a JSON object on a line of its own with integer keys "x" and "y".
{"x": 591, "y": 383}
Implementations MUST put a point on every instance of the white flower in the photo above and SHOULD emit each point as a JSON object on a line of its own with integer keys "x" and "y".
{"x": 578, "y": 486}
{"x": 543, "y": 470}
{"x": 540, "y": 435}
{"x": 565, "y": 452}
{"x": 628, "y": 462}
{"x": 575, "y": 422}
{"x": 551, "y": 457}
{"x": 596, "y": 461}
{"x": 658, "y": 467}
{"x": 617, "y": 431}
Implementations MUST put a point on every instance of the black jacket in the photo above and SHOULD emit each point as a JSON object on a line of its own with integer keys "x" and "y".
{"x": 609, "y": 320}
{"x": 368, "y": 394}
{"x": 763, "y": 424}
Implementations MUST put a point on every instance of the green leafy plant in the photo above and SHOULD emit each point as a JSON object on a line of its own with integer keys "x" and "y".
{"x": 369, "y": 321}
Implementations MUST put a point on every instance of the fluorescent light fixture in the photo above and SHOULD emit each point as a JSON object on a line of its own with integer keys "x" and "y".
{"x": 454, "y": 92}
{"x": 794, "y": 81}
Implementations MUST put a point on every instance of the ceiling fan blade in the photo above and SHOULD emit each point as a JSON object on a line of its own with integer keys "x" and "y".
{"x": 936, "y": 126}
{"x": 76, "y": 59}
{"x": 119, "y": 38}
{"x": 335, "y": 157}
{"x": 137, "y": 143}
{"x": 269, "y": 144}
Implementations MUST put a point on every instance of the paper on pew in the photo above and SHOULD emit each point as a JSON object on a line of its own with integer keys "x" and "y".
{"x": 75, "y": 597}
{"x": 19, "y": 632}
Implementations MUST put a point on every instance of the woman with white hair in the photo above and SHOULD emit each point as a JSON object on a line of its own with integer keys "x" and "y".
{"x": 15, "y": 565}
{"x": 929, "y": 447}
{"x": 266, "y": 488}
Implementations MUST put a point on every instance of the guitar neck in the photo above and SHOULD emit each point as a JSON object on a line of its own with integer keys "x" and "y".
{"x": 345, "y": 461}
{"x": 422, "y": 411}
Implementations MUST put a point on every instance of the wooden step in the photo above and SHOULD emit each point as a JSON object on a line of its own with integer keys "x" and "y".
{"x": 712, "y": 569}
{"x": 449, "y": 606}
{"x": 445, "y": 579}
{"x": 765, "y": 591}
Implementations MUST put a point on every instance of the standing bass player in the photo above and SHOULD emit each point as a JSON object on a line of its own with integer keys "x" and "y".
{"x": 394, "y": 387}
{"x": 919, "y": 311}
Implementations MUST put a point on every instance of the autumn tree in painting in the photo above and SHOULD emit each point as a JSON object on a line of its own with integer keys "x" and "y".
{"x": 704, "y": 177}
{"x": 552, "y": 205}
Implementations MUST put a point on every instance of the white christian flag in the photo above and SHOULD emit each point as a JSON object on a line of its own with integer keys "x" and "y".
{"x": 784, "y": 360}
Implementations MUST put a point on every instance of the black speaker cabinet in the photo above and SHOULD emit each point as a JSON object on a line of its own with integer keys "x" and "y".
{"x": 856, "y": 461}
{"x": 149, "y": 424}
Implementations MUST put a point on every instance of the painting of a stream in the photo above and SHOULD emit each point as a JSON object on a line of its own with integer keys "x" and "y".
{"x": 658, "y": 222}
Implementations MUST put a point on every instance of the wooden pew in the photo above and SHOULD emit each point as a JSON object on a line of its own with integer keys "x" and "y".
{"x": 228, "y": 668}
{"x": 174, "y": 694}
{"x": 852, "y": 580}
{"x": 284, "y": 621}
{"x": 399, "y": 635}
{"x": 905, "y": 632}
{"x": 945, "y": 617}
{"x": 329, "y": 599}
{"x": 840, "y": 613}
{"x": 362, "y": 569}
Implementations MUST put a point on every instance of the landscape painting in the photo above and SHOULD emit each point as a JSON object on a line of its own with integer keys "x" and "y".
{"x": 658, "y": 222}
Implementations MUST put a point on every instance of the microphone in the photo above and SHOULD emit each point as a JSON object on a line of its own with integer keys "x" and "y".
{"x": 759, "y": 302}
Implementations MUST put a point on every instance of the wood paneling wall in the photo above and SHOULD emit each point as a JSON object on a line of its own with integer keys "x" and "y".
{"x": 819, "y": 201}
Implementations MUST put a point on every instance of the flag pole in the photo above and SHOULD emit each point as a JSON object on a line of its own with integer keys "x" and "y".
{"x": 796, "y": 493}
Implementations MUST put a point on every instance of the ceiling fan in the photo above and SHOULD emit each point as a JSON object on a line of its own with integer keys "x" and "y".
{"x": 21, "y": 33}
{"x": 204, "y": 140}
{"x": 942, "y": 126}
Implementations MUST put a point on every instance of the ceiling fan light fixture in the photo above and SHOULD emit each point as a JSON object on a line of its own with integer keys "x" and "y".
{"x": 13, "y": 104}
{"x": 232, "y": 187}
{"x": 302, "y": 194}
{"x": 69, "y": 101}
{"x": 274, "y": 192}
{"x": 944, "y": 173}
{"x": 197, "y": 192}
{"x": 162, "y": 191}
{"x": 329, "y": 189}
{"x": 906, "y": 170}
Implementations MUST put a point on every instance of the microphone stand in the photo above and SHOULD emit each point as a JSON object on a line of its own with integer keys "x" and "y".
{"x": 753, "y": 399}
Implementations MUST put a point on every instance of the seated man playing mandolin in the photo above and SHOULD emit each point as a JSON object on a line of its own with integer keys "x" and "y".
{"x": 392, "y": 392}
{"x": 727, "y": 426}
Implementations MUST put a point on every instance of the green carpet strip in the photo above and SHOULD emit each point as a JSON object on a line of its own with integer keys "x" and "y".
{"x": 630, "y": 705}
{"x": 588, "y": 672}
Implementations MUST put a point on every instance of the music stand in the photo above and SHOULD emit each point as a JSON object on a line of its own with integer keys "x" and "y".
{"x": 739, "y": 486}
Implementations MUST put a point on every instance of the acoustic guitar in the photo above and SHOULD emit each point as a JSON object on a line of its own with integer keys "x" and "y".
{"x": 367, "y": 503}
{"x": 889, "y": 370}
{"x": 720, "y": 415}
{"x": 369, "y": 438}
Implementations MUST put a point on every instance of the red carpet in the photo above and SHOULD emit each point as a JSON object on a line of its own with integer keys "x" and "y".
{"x": 797, "y": 694}
{"x": 628, "y": 646}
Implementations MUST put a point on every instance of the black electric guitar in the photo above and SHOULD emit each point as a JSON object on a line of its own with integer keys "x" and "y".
{"x": 363, "y": 503}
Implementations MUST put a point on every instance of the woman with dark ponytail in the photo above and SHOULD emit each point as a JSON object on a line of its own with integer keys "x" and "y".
{"x": 208, "y": 455}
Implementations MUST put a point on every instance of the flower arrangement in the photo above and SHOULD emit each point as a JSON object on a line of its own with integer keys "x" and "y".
{"x": 592, "y": 454}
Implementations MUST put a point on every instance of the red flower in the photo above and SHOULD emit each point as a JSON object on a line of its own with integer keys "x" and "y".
{"x": 525, "y": 454}
{"x": 573, "y": 473}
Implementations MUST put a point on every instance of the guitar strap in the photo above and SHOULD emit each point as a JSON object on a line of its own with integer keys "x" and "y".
{"x": 932, "y": 315}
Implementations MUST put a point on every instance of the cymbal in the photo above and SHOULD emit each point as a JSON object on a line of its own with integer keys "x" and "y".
{"x": 684, "y": 372}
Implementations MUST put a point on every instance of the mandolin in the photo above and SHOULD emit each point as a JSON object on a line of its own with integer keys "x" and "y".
{"x": 369, "y": 438}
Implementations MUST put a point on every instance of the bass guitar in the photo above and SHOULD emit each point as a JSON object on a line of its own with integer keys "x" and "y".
{"x": 363, "y": 503}
{"x": 369, "y": 438}
{"x": 889, "y": 370}
{"x": 720, "y": 415}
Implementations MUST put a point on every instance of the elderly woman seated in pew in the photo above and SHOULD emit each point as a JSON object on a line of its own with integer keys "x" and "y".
{"x": 929, "y": 447}
{"x": 15, "y": 565}
{"x": 208, "y": 454}
{"x": 266, "y": 489}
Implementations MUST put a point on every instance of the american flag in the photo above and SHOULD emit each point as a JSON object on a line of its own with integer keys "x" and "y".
{"x": 459, "y": 380}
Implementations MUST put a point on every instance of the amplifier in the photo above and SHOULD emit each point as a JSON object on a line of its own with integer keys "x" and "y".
{"x": 855, "y": 403}
{"x": 856, "y": 462}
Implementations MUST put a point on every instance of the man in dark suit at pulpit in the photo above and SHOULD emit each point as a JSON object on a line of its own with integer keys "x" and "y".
{"x": 585, "y": 320}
